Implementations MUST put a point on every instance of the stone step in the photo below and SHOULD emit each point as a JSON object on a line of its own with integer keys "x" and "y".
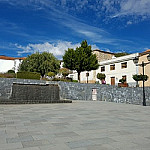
{"x": 32, "y": 102}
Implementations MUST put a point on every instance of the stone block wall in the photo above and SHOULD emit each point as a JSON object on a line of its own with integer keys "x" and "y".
{"x": 22, "y": 91}
{"x": 35, "y": 93}
{"x": 81, "y": 91}
{"x": 129, "y": 95}
{"x": 7, "y": 83}
{"x": 102, "y": 55}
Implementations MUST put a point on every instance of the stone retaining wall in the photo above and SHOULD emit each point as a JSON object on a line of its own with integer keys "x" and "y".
{"x": 77, "y": 91}
{"x": 18, "y": 91}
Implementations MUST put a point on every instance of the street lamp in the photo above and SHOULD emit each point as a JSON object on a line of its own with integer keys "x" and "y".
{"x": 87, "y": 75}
{"x": 135, "y": 60}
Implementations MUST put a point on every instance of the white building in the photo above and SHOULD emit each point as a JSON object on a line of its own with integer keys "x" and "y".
{"x": 9, "y": 63}
{"x": 114, "y": 69}
{"x": 101, "y": 56}
{"x": 118, "y": 68}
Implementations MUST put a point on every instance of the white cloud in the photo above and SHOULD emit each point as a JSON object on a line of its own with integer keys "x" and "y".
{"x": 105, "y": 8}
{"x": 58, "y": 49}
{"x": 76, "y": 26}
{"x": 134, "y": 7}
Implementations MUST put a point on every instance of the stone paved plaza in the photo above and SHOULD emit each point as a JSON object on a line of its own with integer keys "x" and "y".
{"x": 88, "y": 125}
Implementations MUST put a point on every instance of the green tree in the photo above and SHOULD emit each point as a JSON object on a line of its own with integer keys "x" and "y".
{"x": 121, "y": 54}
{"x": 51, "y": 74}
{"x": 41, "y": 63}
{"x": 81, "y": 59}
{"x": 10, "y": 71}
{"x": 64, "y": 71}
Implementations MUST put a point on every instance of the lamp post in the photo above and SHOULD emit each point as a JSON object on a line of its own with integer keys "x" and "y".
{"x": 135, "y": 60}
{"x": 87, "y": 75}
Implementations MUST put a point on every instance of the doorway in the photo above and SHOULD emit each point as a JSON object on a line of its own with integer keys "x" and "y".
{"x": 112, "y": 80}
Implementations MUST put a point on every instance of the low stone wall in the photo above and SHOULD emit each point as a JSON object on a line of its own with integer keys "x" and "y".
{"x": 129, "y": 95}
{"x": 18, "y": 91}
{"x": 77, "y": 91}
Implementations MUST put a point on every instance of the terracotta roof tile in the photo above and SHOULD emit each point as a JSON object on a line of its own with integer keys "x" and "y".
{"x": 148, "y": 50}
{"x": 10, "y": 58}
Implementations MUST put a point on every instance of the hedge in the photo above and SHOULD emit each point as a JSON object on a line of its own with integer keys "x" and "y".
{"x": 28, "y": 75}
{"x": 7, "y": 75}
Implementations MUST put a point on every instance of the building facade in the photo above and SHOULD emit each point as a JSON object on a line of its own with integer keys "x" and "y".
{"x": 143, "y": 58}
{"x": 92, "y": 75}
{"x": 118, "y": 68}
{"x": 102, "y": 55}
{"x": 9, "y": 63}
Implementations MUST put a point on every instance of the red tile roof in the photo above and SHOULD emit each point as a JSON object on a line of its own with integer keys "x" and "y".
{"x": 11, "y": 58}
{"x": 148, "y": 50}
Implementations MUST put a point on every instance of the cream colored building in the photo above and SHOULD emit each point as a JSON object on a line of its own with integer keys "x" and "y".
{"x": 143, "y": 58}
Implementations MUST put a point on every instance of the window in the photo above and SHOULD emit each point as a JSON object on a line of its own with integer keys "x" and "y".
{"x": 71, "y": 76}
{"x": 103, "y": 69}
{"x": 124, "y": 65}
{"x": 112, "y": 67}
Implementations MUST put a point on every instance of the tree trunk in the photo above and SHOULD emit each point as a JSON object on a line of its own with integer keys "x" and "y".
{"x": 79, "y": 77}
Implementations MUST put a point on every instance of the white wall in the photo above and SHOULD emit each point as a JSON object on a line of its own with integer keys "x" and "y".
{"x": 17, "y": 63}
{"x": 119, "y": 72}
{"x": 6, "y": 65}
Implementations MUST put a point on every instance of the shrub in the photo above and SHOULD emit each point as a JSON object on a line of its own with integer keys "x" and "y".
{"x": 101, "y": 76}
{"x": 7, "y": 75}
{"x": 62, "y": 79}
{"x": 28, "y": 75}
{"x": 64, "y": 71}
{"x": 51, "y": 74}
{"x": 122, "y": 80}
{"x": 11, "y": 71}
{"x": 74, "y": 80}
{"x": 140, "y": 77}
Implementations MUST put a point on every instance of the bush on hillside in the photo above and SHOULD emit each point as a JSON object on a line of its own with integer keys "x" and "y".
{"x": 7, "y": 75}
{"x": 28, "y": 75}
{"x": 75, "y": 81}
{"x": 51, "y": 74}
{"x": 62, "y": 79}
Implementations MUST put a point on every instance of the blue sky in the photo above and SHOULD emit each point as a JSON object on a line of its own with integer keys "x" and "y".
{"x": 28, "y": 26}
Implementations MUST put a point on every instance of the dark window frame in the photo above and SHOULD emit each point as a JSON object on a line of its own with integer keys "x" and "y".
{"x": 112, "y": 67}
{"x": 124, "y": 65}
{"x": 102, "y": 68}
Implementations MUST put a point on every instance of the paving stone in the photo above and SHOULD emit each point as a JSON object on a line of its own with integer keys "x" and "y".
{"x": 19, "y": 139}
{"x": 35, "y": 143}
{"x": 22, "y": 134}
{"x": 59, "y": 146}
{"x": 10, "y": 146}
{"x": 77, "y": 126}
{"x": 89, "y": 142}
{"x": 28, "y": 148}
{"x": 66, "y": 134}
